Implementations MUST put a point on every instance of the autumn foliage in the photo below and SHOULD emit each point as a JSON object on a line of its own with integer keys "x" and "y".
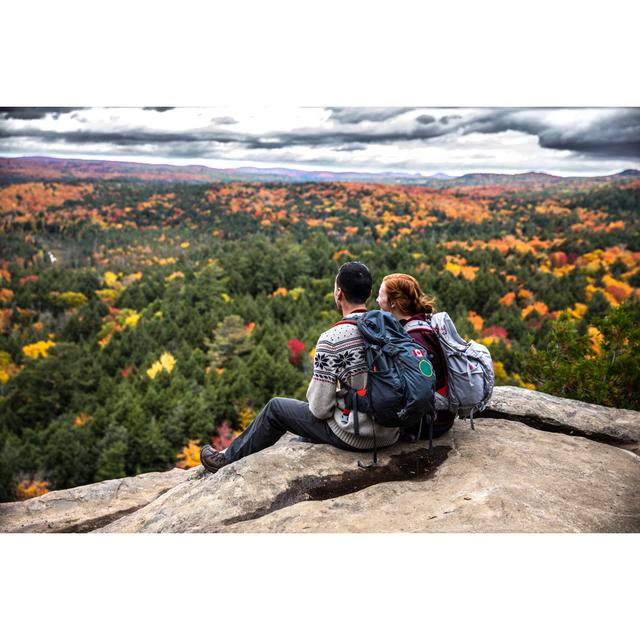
{"x": 31, "y": 489}
{"x": 224, "y": 437}
{"x": 189, "y": 456}
{"x": 139, "y": 315}
{"x": 296, "y": 349}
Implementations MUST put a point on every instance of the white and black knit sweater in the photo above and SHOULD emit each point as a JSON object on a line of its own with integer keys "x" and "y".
{"x": 339, "y": 357}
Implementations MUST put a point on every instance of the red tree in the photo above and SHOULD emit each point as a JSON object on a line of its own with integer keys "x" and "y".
{"x": 224, "y": 437}
{"x": 296, "y": 347}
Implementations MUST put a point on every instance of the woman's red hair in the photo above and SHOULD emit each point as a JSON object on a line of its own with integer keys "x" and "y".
{"x": 404, "y": 291}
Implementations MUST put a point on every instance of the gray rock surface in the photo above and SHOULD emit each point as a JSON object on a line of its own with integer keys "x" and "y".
{"x": 543, "y": 411}
{"x": 504, "y": 476}
{"x": 272, "y": 479}
{"x": 85, "y": 508}
{"x": 573, "y": 472}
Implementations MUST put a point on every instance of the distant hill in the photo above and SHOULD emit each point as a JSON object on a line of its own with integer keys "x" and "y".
{"x": 43, "y": 168}
{"x": 531, "y": 177}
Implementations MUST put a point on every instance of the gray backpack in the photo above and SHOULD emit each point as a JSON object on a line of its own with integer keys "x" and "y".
{"x": 469, "y": 367}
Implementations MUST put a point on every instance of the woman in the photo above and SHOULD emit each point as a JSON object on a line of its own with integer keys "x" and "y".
{"x": 401, "y": 295}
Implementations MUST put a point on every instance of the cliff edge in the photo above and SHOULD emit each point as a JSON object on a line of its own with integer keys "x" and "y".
{"x": 535, "y": 463}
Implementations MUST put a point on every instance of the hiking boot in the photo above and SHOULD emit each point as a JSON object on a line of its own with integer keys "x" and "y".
{"x": 211, "y": 459}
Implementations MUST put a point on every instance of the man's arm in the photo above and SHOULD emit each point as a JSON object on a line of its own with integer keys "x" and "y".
{"x": 321, "y": 393}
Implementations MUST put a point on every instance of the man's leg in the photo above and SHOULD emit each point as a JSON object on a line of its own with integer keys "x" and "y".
{"x": 279, "y": 416}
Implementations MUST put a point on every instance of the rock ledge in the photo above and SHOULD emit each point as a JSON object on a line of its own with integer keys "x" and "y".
{"x": 535, "y": 463}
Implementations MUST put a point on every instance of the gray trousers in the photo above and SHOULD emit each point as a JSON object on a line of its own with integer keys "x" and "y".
{"x": 279, "y": 416}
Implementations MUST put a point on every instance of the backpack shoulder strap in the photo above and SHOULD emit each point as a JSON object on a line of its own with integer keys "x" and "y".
{"x": 445, "y": 328}
{"x": 430, "y": 337}
{"x": 347, "y": 320}
{"x": 420, "y": 325}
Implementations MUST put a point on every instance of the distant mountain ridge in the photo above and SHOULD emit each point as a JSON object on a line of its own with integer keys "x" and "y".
{"x": 46, "y": 168}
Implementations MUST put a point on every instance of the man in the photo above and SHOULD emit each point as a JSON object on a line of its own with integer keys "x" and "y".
{"x": 339, "y": 360}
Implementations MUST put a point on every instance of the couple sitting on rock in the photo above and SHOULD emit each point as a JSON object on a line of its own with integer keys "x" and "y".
{"x": 339, "y": 358}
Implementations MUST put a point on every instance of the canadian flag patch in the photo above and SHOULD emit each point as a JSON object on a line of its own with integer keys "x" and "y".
{"x": 418, "y": 353}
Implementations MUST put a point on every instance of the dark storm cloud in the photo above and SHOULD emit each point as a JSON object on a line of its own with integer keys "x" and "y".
{"x": 159, "y": 109}
{"x": 614, "y": 135}
{"x": 121, "y": 138}
{"x": 424, "y": 119}
{"x": 355, "y": 115}
{"x": 500, "y": 120}
{"x": 33, "y": 113}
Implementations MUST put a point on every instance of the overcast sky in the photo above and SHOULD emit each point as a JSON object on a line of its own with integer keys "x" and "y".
{"x": 562, "y": 141}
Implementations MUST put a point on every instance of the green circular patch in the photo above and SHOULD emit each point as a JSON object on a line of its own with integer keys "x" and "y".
{"x": 425, "y": 368}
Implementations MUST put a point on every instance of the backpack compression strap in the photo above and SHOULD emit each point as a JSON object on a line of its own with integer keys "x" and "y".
{"x": 351, "y": 399}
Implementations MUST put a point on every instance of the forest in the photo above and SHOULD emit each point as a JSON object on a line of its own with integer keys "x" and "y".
{"x": 140, "y": 319}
